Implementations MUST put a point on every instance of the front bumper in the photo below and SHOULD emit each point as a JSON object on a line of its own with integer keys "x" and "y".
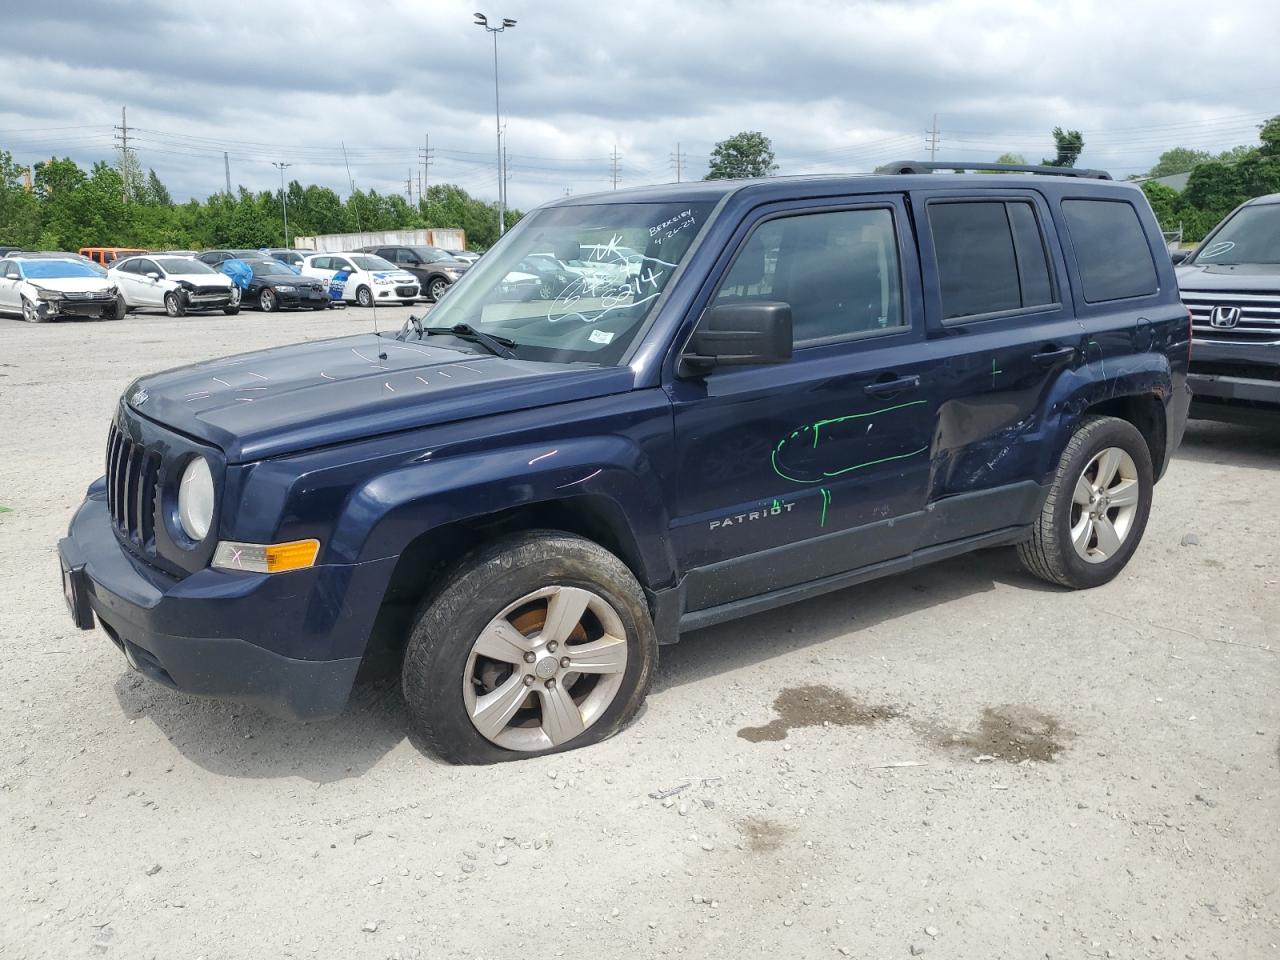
{"x": 210, "y": 301}
{"x": 400, "y": 291}
{"x": 303, "y": 298}
{"x": 51, "y": 309}
{"x": 1235, "y": 381}
{"x": 289, "y": 643}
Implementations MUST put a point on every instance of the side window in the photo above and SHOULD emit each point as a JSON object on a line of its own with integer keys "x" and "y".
{"x": 321, "y": 263}
{"x": 1111, "y": 249}
{"x": 838, "y": 270}
{"x": 402, "y": 255}
{"x": 991, "y": 257}
{"x": 7, "y": 270}
{"x": 338, "y": 263}
{"x": 148, "y": 266}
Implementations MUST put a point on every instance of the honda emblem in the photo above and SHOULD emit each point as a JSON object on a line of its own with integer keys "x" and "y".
{"x": 1224, "y": 318}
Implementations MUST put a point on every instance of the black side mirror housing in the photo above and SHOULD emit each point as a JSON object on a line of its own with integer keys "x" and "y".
{"x": 1177, "y": 256}
{"x": 739, "y": 334}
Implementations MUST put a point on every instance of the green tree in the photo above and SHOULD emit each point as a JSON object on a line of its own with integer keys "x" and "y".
{"x": 1177, "y": 160}
{"x": 745, "y": 154}
{"x": 1011, "y": 158}
{"x": 155, "y": 191}
{"x": 1069, "y": 144}
{"x": 19, "y": 210}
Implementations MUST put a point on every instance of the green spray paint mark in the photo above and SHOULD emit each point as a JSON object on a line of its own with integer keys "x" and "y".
{"x": 4, "y": 509}
{"x": 817, "y": 426}
{"x": 826, "y": 502}
{"x": 777, "y": 504}
{"x": 994, "y": 372}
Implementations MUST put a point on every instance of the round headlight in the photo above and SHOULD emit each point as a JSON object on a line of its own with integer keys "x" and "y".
{"x": 195, "y": 499}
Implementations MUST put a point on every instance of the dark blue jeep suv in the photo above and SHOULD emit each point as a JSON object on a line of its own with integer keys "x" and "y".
{"x": 745, "y": 394}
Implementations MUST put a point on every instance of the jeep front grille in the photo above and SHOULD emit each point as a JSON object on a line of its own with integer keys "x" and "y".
{"x": 132, "y": 472}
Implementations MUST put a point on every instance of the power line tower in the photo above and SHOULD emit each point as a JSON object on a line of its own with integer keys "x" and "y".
{"x": 932, "y": 137}
{"x": 614, "y": 158}
{"x": 130, "y": 172}
{"x": 678, "y": 160}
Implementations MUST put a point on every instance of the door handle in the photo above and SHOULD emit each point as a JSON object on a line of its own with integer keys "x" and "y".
{"x": 885, "y": 388}
{"x": 1053, "y": 356}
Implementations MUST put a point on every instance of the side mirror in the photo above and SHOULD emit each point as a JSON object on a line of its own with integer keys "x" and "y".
{"x": 739, "y": 334}
{"x": 1177, "y": 256}
{"x": 153, "y": 275}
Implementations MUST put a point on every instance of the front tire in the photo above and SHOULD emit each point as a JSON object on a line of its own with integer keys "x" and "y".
{"x": 30, "y": 312}
{"x": 436, "y": 289}
{"x": 268, "y": 302}
{"x": 364, "y": 297}
{"x": 1097, "y": 508}
{"x": 538, "y": 643}
{"x": 230, "y": 311}
{"x": 173, "y": 305}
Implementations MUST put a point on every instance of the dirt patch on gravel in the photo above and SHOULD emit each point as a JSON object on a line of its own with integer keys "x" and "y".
{"x": 1010, "y": 733}
{"x": 762, "y": 833}
{"x": 812, "y": 706}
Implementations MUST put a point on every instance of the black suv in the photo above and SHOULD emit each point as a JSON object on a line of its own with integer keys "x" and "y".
{"x": 1231, "y": 283}
{"x": 753, "y": 392}
{"x": 435, "y": 269}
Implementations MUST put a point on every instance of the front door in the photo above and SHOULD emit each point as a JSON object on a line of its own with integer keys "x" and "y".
{"x": 793, "y": 472}
{"x": 10, "y": 278}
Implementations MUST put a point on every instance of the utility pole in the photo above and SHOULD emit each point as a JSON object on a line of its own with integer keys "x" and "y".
{"x": 408, "y": 187}
{"x": 284, "y": 196}
{"x": 122, "y": 138}
{"x": 226, "y": 165}
{"x": 678, "y": 159}
{"x": 427, "y": 156}
{"x": 932, "y": 137}
{"x": 506, "y": 175}
{"x": 614, "y": 158}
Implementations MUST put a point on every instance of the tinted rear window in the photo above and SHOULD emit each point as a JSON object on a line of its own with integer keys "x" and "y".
{"x": 1111, "y": 249}
{"x": 977, "y": 270}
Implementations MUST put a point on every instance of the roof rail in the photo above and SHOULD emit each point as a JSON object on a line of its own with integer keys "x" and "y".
{"x": 929, "y": 166}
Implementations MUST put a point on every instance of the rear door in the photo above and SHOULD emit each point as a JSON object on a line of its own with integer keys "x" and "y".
{"x": 797, "y": 471}
{"x": 1002, "y": 327}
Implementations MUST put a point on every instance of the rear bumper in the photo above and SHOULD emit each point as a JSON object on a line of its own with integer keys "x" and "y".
{"x": 288, "y": 643}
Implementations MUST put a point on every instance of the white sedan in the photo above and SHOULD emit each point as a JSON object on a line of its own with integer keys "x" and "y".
{"x": 362, "y": 278}
{"x": 46, "y": 288}
{"x": 178, "y": 284}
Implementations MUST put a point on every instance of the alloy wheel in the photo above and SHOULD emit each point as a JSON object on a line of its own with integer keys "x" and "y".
{"x": 545, "y": 669}
{"x": 1104, "y": 505}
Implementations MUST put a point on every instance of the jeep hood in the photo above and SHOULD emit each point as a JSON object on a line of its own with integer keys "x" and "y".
{"x": 1223, "y": 277}
{"x": 286, "y": 399}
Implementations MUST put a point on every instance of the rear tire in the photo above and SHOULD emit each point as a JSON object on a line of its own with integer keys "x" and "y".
{"x": 319, "y": 306}
{"x": 445, "y": 675}
{"x": 1095, "y": 514}
{"x": 230, "y": 311}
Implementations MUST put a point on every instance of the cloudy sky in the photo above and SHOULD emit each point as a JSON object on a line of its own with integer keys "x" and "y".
{"x": 837, "y": 86}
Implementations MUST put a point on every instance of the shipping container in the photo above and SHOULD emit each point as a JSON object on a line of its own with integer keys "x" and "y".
{"x": 447, "y": 239}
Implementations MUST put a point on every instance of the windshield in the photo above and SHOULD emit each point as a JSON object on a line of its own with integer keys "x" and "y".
{"x": 182, "y": 265}
{"x": 58, "y": 269}
{"x": 429, "y": 254}
{"x": 1251, "y": 236}
{"x": 271, "y": 268}
{"x": 373, "y": 263}
{"x": 569, "y": 283}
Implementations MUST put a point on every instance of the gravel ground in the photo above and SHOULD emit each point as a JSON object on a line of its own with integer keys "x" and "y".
{"x": 959, "y": 761}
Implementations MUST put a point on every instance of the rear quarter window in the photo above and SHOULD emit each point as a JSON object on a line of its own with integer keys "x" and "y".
{"x": 1112, "y": 253}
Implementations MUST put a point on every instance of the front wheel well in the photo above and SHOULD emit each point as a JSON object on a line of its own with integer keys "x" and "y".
{"x": 1146, "y": 413}
{"x": 427, "y": 560}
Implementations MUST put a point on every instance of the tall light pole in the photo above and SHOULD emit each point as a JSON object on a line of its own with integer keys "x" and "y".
{"x": 284, "y": 196}
{"x": 483, "y": 21}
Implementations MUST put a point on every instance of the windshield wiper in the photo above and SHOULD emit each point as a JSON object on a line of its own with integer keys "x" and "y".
{"x": 498, "y": 346}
